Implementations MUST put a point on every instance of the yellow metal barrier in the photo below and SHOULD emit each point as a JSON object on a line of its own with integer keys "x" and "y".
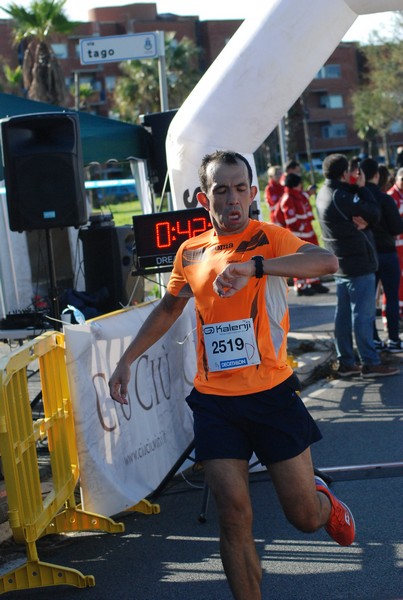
{"x": 32, "y": 515}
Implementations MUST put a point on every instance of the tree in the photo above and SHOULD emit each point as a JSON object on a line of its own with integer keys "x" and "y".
{"x": 10, "y": 79}
{"x": 374, "y": 113}
{"x": 137, "y": 91}
{"x": 43, "y": 77}
{"x": 378, "y": 102}
{"x": 83, "y": 94}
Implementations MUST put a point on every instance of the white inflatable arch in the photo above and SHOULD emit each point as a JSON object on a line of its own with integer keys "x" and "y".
{"x": 258, "y": 76}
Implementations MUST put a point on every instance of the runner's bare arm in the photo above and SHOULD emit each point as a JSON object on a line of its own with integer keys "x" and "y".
{"x": 309, "y": 261}
{"x": 157, "y": 323}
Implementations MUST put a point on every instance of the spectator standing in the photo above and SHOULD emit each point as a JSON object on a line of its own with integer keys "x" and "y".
{"x": 399, "y": 157}
{"x": 293, "y": 166}
{"x": 297, "y": 215}
{"x": 273, "y": 192}
{"x": 396, "y": 191}
{"x": 386, "y": 178}
{"x": 388, "y": 274}
{"x": 353, "y": 167}
{"x": 344, "y": 212}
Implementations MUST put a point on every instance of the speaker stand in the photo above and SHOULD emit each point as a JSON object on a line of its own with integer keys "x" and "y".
{"x": 53, "y": 292}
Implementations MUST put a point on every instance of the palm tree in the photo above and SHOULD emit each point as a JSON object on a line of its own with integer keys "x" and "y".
{"x": 42, "y": 75}
{"x": 137, "y": 91}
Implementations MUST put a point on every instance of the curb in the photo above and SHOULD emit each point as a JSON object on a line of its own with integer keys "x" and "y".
{"x": 313, "y": 354}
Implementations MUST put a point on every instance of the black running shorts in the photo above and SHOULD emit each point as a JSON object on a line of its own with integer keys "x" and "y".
{"x": 274, "y": 424}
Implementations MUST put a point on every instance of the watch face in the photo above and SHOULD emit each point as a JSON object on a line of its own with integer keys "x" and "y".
{"x": 158, "y": 236}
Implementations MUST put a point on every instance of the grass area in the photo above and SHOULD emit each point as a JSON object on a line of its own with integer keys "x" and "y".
{"x": 122, "y": 213}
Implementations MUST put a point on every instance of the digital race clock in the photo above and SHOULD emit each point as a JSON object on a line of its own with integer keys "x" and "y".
{"x": 158, "y": 236}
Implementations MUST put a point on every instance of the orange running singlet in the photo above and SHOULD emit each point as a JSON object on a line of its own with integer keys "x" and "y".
{"x": 262, "y": 303}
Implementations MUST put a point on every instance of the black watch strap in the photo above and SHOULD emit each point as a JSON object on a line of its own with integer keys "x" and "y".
{"x": 258, "y": 260}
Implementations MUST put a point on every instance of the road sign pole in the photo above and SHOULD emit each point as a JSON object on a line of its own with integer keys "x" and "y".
{"x": 162, "y": 74}
{"x": 162, "y": 71}
{"x": 95, "y": 50}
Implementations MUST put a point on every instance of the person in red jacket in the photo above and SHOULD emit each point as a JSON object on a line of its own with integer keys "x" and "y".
{"x": 297, "y": 213}
{"x": 273, "y": 192}
{"x": 292, "y": 166}
{"x": 396, "y": 191}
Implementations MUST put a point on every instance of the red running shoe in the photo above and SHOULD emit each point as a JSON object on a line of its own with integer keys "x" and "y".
{"x": 340, "y": 526}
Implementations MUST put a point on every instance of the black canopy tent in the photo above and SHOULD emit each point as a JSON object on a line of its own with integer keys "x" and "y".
{"x": 102, "y": 139}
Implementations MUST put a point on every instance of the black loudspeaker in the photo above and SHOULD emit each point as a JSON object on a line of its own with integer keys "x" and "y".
{"x": 158, "y": 123}
{"x": 43, "y": 171}
{"x": 108, "y": 263}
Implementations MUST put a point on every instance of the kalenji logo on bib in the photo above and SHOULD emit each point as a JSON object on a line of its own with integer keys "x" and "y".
{"x": 227, "y": 328}
{"x": 231, "y": 345}
{"x": 208, "y": 330}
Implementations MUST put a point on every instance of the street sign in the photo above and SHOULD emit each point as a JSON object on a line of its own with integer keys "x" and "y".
{"x": 113, "y": 48}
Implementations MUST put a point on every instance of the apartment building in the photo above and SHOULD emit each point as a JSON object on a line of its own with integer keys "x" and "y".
{"x": 322, "y": 118}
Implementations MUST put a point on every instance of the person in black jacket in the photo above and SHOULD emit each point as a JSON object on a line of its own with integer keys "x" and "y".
{"x": 346, "y": 213}
{"x": 388, "y": 273}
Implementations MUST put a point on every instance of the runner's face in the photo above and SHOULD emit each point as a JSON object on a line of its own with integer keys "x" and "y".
{"x": 228, "y": 197}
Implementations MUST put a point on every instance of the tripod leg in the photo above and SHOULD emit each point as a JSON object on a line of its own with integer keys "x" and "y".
{"x": 326, "y": 478}
{"x": 172, "y": 472}
{"x": 204, "y": 505}
{"x": 53, "y": 292}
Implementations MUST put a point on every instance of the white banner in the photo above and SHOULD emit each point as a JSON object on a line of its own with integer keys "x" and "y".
{"x": 125, "y": 452}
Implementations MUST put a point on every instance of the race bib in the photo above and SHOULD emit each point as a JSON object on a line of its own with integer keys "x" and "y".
{"x": 230, "y": 345}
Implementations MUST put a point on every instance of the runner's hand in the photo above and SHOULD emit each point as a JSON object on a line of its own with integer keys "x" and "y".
{"x": 233, "y": 278}
{"x": 118, "y": 383}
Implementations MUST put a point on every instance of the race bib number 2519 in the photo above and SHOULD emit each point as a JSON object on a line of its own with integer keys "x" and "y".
{"x": 230, "y": 345}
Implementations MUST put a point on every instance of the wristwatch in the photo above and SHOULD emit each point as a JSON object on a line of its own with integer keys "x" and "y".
{"x": 258, "y": 260}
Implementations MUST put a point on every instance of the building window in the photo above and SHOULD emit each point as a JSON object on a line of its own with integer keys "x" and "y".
{"x": 334, "y": 131}
{"x": 329, "y": 72}
{"x": 396, "y": 127}
{"x": 87, "y": 79}
{"x": 60, "y": 50}
{"x": 331, "y": 101}
{"x": 110, "y": 82}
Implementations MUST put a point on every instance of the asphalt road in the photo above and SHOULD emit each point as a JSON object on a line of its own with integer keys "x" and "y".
{"x": 172, "y": 555}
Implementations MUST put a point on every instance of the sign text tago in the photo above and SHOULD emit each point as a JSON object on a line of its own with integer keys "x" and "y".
{"x": 118, "y": 48}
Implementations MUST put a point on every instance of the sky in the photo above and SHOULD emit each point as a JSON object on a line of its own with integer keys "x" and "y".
{"x": 77, "y": 10}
